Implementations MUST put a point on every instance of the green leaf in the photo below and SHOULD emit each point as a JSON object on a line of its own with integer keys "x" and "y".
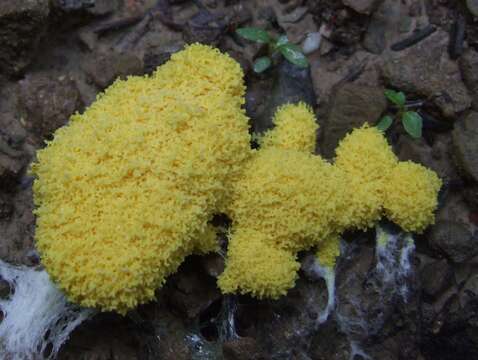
{"x": 412, "y": 122}
{"x": 385, "y": 123}
{"x": 282, "y": 40}
{"x": 254, "y": 34}
{"x": 396, "y": 97}
{"x": 294, "y": 55}
{"x": 261, "y": 64}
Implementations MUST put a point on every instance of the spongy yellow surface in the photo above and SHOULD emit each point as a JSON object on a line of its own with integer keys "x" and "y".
{"x": 124, "y": 192}
{"x": 411, "y": 196}
{"x": 287, "y": 200}
{"x": 255, "y": 267}
{"x": 366, "y": 159}
{"x": 328, "y": 252}
{"x": 294, "y": 128}
{"x": 288, "y": 195}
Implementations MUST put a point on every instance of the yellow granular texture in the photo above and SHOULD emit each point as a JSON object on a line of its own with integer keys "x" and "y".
{"x": 201, "y": 64}
{"x": 329, "y": 251}
{"x": 295, "y": 128}
{"x": 255, "y": 267}
{"x": 285, "y": 200}
{"x": 366, "y": 154}
{"x": 125, "y": 191}
{"x": 289, "y": 196}
{"x": 411, "y": 192}
{"x": 366, "y": 159}
{"x": 205, "y": 241}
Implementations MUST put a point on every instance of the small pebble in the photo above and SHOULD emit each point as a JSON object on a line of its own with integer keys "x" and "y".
{"x": 311, "y": 42}
{"x": 294, "y": 16}
{"x": 5, "y": 289}
{"x": 472, "y": 6}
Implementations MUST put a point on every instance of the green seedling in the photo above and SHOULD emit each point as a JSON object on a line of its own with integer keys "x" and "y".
{"x": 411, "y": 120}
{"x": 281, "y": 45}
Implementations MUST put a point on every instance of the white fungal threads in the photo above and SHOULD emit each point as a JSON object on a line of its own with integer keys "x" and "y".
{"x": 394, "y": 253}
{"x": 315, "y": 270}
{"x": 37, "y": 317}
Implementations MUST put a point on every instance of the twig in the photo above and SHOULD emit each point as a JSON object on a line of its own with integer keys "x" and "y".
{"x": 130, "y": 39}
{"x": 457, "y": 37}
{"x": 114, "y": 25}
{"x": 414, "y": 38}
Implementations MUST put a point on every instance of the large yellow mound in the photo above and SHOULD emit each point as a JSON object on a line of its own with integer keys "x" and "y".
{"x": 126, "y": 189}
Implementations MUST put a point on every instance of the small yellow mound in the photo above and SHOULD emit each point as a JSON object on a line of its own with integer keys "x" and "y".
{"x": 125, "y": 191}
{"x": 328, "y": 252}
{"x": 295, "y": 129}
{"x": 255, "y": 267}
{"x": 410, "y": 199}
{"x": 365, "y": 154}
{"x": 200, "y": 69}
{"x": 366, "y": 159}
{"x": 288, "y": 195}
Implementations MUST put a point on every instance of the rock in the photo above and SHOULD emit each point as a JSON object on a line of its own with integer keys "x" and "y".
{"x": 71, "y": 5}
{"x": 204, "y": 28}
{"x": 255, "y": 105}
{"x": 88, "y": 38}
{"x": 5, "y": 289}
{"x": 242, "y": 349}
{"x": 93, "y": 7}
{"x": 436, "y": 277}
{"x": 291, "y": 5}
{"x": 346, "y": 38}
{"x": 452, "y": 240}
{"x": 18, "y": 229}
{"x": 297, "y": 31}
{"x": 22, "y": 24}
{"x": 450, "y": 331}
{"x": 213, "y": 264}
{"x": 46, "y": 102}
{"x": 292, "y": 84}
{"x": 330, "y": 343}
{"x": 155, "y": 56}
{"x": 383, "y": 22}
{"x": 469, "y": 70}
{"x": 294, "y": 16}
{"x": 170, "y": 336}
{"x": 472, "y": 6}
{"x": 241, "y": 14}
{"x": 469, "y": 292}
{"x": 465, "y": 146}
{"x": 105, "y": 67}
{"x": 105, "y": 336}
{"x": 287, "y": 325}
{"x": 436, "y": 157}
{"x": 6, "y": 207}
{"x": 426, "y": 70}
{"x": 362, "y": 6}
{"x": 153, "y": 60}
{"x": 372, "y": 308}
{"x": 348, "y": 111}
{"x": 266, "y": 14}
{"x": 103, "y": 7}
{"x": 311, "y": 42}
{"x": 190, "y": 291}
{"x": 470, "y": 195}
{"x": 12, "y": 162}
